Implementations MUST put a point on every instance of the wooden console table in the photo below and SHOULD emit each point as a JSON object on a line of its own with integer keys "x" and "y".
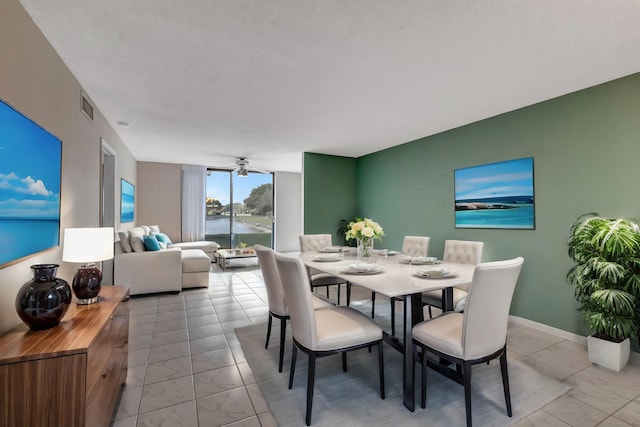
{"x": 69, "y": 375}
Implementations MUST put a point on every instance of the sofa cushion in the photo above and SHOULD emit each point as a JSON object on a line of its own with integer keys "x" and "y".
{"x": 135, "y": 238}
{"x": 155, "y": 229}
{"x": 124, "y": 241}
{"x": 147, "y": 229}
{"x": 151, "y": 243}
{"x": 195, "y": 260}
{"x": 163, "y": 238}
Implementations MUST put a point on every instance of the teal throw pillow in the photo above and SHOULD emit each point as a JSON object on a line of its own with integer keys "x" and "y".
{"x": 163, "y": 238}
{"x": 151, "y": 243}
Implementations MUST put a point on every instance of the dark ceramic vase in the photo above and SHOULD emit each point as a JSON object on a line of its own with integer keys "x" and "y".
{"x": 43, "y": 300}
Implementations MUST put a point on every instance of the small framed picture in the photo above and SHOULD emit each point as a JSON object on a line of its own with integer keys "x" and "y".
{"x": 127, "y": 201}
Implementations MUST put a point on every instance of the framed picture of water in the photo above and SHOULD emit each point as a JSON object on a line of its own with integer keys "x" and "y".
{"x": 30, "y": 162}
{"x": 127, "y": 201}
{"x": 496, "y": 195}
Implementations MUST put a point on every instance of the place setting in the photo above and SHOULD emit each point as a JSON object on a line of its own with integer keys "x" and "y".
{"x": 362, "y": 268}
{"x": 327, "y": 257}
{"x": 333, "y": 250}
{"x": 419, "y": 260}
{"x": 437, "y": 273}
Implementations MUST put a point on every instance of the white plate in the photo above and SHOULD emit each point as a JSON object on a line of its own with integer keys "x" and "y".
{"x": 392, "y": 253}
{"x": 419, "y": 260}
{"x": 327, "y": 258}
{"x": 436, "y": 274}
{"x": 330, "y": 250}
{"x": 363, "y": 272}
{"x": 363, "y": 268}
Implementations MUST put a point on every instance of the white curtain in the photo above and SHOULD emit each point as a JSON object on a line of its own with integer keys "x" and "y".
{"x": 193, "y": 202}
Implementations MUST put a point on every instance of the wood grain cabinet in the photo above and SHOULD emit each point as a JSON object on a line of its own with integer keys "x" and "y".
{"x": 70, "y": 375}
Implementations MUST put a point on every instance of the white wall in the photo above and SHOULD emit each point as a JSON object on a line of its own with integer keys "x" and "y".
{"x": 158, "y": 200}
{"x": 288, "y": 211}
{"x": 35, "y": 81}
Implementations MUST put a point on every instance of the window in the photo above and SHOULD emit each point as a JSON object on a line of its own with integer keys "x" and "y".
{"x": 239, "y": 210}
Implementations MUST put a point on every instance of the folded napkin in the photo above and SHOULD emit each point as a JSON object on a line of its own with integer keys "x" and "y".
{"x": 363, "y": 266}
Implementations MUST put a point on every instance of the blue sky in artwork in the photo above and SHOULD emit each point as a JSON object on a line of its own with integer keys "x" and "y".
{"x": 510, "y": 178}
{"x": 218, "y": 185}
{"x": 29, "y": 168}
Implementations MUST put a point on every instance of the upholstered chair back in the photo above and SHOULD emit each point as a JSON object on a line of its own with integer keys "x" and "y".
{"x": 297, "y": 292}
{"x": 415, "y": 245}
{"x": 314, "y": 242}
{"x": 463, "y": 252}
{"x": 275, "y": 293}
{"x": 484, "y": 328}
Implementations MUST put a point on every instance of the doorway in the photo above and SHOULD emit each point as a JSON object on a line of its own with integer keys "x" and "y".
{"x": 107, "y": 201}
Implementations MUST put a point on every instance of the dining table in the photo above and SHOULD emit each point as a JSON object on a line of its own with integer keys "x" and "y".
{"x": 395, "y": 276}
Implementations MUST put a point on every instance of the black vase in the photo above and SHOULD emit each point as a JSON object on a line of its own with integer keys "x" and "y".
{"x": 43, "y": 300}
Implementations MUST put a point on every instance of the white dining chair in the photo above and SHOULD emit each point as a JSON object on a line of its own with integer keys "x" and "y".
{"x": 325, "y": 332}
{"x": 317, "y": 279}
{"x": 275, "y": 296}
{"x": 476, "y": 336}
{"x": 459, "y": 252}
{"x": 413, "y": 246}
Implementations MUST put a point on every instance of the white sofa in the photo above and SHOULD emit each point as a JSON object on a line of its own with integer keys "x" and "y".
{"x": 179, "y": 266}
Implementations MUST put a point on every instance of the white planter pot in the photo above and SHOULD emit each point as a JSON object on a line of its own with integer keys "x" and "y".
{"x": 608, "y": 354}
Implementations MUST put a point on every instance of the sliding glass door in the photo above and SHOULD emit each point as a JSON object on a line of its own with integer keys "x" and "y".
{"x": 239, "y": 209}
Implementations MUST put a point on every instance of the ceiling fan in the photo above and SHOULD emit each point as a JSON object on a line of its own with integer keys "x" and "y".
{"x": 243, "y": 168}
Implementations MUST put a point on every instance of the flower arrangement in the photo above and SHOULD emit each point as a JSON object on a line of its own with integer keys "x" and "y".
{"x": 364, "y": 229}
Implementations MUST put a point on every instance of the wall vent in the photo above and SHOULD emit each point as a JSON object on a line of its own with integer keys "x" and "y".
{"x": 86, "y": 107}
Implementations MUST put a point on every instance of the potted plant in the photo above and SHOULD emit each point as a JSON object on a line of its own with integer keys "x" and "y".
{"x": 606, "y": 282}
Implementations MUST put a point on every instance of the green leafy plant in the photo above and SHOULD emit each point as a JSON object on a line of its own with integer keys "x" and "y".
{"x": 606, "y": 277}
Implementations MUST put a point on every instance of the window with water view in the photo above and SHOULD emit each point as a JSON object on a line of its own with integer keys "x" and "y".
{"x": 239, "y": 210}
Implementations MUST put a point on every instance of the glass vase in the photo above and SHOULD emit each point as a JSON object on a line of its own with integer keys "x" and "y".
{"x": 365, "y": 249}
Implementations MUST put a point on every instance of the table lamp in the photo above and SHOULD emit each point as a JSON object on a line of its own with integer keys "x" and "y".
{"x": 87, "y": 245}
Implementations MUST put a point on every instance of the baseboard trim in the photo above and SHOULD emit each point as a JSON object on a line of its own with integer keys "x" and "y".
{"x": 579, "y": 339}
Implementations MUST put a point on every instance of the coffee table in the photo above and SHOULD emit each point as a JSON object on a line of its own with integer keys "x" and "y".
{"x": 224, "y": 255}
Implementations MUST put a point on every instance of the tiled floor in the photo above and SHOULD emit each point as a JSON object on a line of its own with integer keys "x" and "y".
{"x": 186, "y": 367}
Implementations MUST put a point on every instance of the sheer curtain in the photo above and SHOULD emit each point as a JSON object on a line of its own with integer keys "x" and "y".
{"x": 193, "y": 202}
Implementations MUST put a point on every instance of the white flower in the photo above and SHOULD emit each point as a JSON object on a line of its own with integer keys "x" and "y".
{"x": 364, "y": 229}
{"x": 367, "y": 232}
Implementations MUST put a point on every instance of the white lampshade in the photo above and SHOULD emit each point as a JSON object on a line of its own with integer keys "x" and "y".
{"x": 86, "y": 245}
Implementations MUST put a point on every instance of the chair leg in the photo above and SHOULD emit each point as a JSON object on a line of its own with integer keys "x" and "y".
{"x": 294, "y": 356}
{"x": 423, "y": 401}
{"x": 339, "y": 287}
{"x": 393, "y": 316}
{"x": 344, "y": 361}
{"x": 373, "y": 304}
{"x": 311, "y": 375}
{"x": 327, "y": 287}
{"x": 381, "y": 369}
{"x": 466, "y": 367}
{"x": 348, "y": 294}
{"x": 430, "y": 314}
{"x": 283, "y": 327}
{"x": 269, "y": 330}
{"x": 505, "y": 380}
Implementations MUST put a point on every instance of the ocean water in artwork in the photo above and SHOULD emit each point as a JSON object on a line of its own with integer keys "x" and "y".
{"x": 520, "y": 217}
{"x": 22, "y": 237}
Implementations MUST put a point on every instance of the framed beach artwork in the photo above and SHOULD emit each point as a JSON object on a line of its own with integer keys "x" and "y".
{"x": 30, "y": 168}
{"x": 127, "y": 201}
{"x": 496, "y": 195}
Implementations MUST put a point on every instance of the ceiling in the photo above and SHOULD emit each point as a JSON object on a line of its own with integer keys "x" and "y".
{"x": 207, "y": 81}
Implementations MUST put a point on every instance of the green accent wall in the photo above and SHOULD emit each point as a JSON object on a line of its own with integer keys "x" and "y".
{"x": 329, "y": 193}
{"x": 586, "y": 150}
